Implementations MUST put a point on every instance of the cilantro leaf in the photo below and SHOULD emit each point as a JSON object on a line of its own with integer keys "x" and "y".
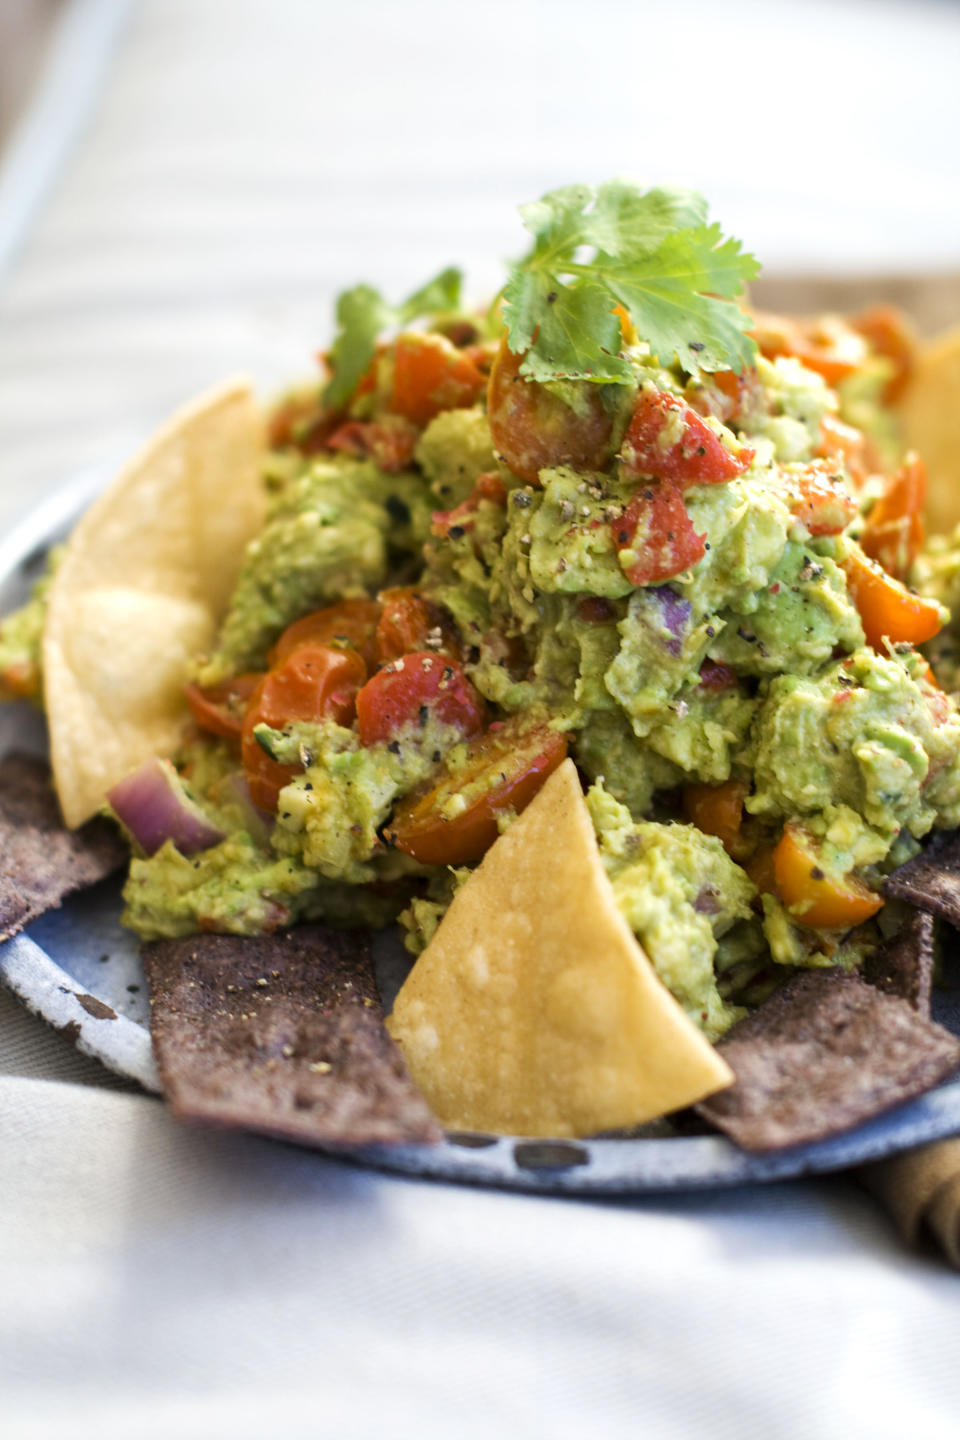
{"x": 654, "y": 255}
{"x": 363, "y": 315}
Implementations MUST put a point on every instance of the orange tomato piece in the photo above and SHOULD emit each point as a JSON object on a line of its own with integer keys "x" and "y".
{"x": 888, "y": 610}
{"x": 839, "y": 441}
{"x": 409, "y": 621}
{"x": 815, "y": 899}
{"x": 826, "y": 344}
{"x": 505, "y": 769}
{"x": 409, "y": 690}
{"x": 534, "y": 429}
{"x": 894, "y": 532}
{"x": 430, "y": 375}
{"x": 349, "y": 622}
{"x": 717, "y": 810}
{"x": 314, "y": 682}
{"x": 821, "y": 503}
{"x": 889, "y": 334}
{"x": 221, "y": 708}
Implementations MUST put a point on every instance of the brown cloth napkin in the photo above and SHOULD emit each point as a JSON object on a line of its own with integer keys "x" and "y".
{"x": 920, "y": 1190}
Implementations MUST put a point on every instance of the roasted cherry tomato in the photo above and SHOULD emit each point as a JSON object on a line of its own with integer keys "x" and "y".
{"x": 313, "y": 683}
{"x": 533, "y": 428}
{"x": 814, "y": 898}
{"x": 349, "y": 622}
{"x": 717, "y": 810}
{"x": 654, "y": 536}
{"x": 668, "y": 441}
{"x": 409, "y": 622}
{"x": 430, "y": 375}
{"x": 456, "y": 822}
{"x": 410, "y": 690}
{"x": 894, "y": 531}
{"x": 826, "y": 344}
{"x": 819, "y": 500}
{"x": 888, "y": 610}
{"x": 221, "y": 708}
{"x": 389, "y": 443}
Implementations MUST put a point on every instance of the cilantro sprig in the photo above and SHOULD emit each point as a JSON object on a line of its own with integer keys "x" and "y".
{"x": 363, "y": 315}
{"x": 651, "y": 252}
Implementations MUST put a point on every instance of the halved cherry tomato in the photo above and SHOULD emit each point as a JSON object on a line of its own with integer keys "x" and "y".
{"x": 890, "y": 335}
{"x": 839, "y": 441}
{"x": 826, "y": 344}
{"x": 409, "y": 621}
{"x": 221, "y": 708}
{"x": 819, "y": 500}
{"x": 895, "y": 531}
{"x": 389, "y": 443}
{"x": 313, "y": 683}
{"x": 717, "y": 810}
{"x": 654, "y": 536}
{"x": 534, "y": 429}
{"x": 430, "y": 375}
{"x": 761, "y": 870}
{"x": 888, "y": 610}
{"x": 349, "y": 622}
{"x": 814, "y": 898}
{"x": 506, "y": 768}
{"x": 669, "y": 441}
{"x": 409, "y": 690}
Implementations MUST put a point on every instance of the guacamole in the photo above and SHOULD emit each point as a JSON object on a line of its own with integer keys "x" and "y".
{"x": 680, "y": 575}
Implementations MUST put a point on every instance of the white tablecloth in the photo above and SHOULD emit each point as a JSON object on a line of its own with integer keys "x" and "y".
{"x": 230, "y": 165}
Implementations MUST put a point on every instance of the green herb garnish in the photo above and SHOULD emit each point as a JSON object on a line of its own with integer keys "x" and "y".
{"x": 653, "y": 253}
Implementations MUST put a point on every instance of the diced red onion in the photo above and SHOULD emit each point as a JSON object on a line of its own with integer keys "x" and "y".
{"x": 675, "y": 613}
{"x": 153, "y": 805}
{"x": 259, "y": 823}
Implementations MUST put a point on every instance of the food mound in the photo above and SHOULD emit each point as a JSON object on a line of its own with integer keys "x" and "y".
{"x": 621, "y": 519}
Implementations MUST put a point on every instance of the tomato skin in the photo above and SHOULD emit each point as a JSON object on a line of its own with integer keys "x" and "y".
{"x": 349, "y": 622}
{"x": 430, "y": 375}
{"x": 399, "y": 694}
{"x": 220, "y": 709}
{"x": 888, "y": 610}
{"x": 695, "y": 457}
{"x": 656, "y": 529}
{"x": 389, "y": 443}
{"x": 895, "y": 531}
{"x": 534, "y": 429}
{"x": 821, "y": 503}
{"x": 828, "y": 903}
{"x": 516, "y": 759}
{"x": 314, "y": 682}
{"x": 408, "y": 621}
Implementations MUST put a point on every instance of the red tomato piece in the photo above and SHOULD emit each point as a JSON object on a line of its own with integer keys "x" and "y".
{"x": 312, "y": 683}
{"x": 407, "y": 691}
{"x": 654, "y": 536}
{"x": 669, "y": 441}
{"x": 820, "y": 501}
{"x": 221, "y": 708}
{"x": 505, "y": 769}
{"x": 430, "y": 375}
{"x": 389, "y": 443}
{"x": 534, "y": 429}
{"x": 349, "y": 622}
{"x": 409, "y": 622}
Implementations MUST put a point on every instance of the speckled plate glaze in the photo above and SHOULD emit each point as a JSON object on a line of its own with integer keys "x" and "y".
{"x": 78, "y": 970}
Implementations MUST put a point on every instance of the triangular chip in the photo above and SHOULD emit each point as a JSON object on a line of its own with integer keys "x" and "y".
{"x": 144, "y": 579}
{"x": 534, "y": 1011}
{"x": 930, "y": 415}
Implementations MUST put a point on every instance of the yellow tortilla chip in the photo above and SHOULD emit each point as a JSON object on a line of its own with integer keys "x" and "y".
{"x": 534, "y": 1011}
{"x": 930, "y": 414}
{"x": 141, "y": 587}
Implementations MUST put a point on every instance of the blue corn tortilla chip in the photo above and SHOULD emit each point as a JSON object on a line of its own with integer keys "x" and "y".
{"x": 903, "y": 964}
{"x": 931, "y": 881}
{"x": 826, "y": 1052}
{"x": 281, "y": 1034}
{"x": 41, "y": 861}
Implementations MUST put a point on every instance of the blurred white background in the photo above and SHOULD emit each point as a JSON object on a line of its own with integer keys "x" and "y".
{"x": 214, "y": 171}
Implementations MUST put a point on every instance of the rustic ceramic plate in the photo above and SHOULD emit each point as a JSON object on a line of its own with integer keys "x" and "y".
{"x": 78, "y": 970}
